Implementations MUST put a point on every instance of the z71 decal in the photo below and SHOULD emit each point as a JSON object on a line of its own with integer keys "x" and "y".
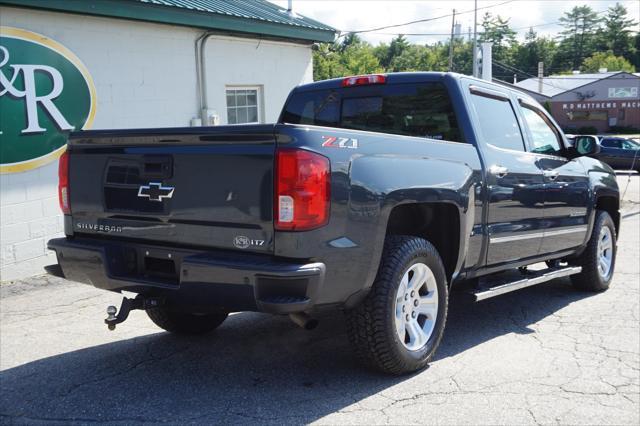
{"x": 335, "y": 142}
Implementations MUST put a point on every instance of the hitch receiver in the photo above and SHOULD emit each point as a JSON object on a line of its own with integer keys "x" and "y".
{"x": 115, "y": 316}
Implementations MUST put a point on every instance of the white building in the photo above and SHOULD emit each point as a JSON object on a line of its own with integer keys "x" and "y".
{"x": 140, "y": 60}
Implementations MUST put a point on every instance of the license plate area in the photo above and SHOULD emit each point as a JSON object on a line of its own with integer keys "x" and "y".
{"x": 147, "y": 264}
{"x": 157, "y": 269}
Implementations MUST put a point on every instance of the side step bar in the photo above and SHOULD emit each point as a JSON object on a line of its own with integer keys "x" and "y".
{"x": 532, "y": 278}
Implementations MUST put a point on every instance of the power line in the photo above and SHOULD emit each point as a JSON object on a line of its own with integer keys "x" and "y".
{"x": 422, "y": 20}
{"x": 376, "y": 30}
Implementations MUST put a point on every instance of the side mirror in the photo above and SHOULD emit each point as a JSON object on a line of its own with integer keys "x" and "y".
{"x": 586, "y": 145}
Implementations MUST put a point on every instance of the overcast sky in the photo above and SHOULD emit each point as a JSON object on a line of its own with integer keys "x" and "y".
{"x": 350, "y": 15}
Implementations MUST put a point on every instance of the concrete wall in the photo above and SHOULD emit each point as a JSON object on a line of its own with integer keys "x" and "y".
{"x": 145, "y": 76}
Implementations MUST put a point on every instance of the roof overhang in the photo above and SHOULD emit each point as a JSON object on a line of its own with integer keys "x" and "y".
{"x": 139, "y": 11}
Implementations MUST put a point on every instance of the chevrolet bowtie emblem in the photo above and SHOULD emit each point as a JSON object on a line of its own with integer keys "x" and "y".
{"x": 154, "y": 191}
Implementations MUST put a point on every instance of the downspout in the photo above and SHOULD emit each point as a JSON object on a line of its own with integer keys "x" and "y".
{"x": 201, "y": 75}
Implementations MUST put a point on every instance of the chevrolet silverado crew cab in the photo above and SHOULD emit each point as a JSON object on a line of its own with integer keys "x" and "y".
{"x": 372, "y": 195}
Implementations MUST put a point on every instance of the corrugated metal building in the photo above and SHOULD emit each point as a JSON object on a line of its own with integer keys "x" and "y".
{"x": 605, "y": 101}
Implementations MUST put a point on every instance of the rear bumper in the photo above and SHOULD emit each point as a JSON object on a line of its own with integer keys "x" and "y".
{"x": 192, "y": 279}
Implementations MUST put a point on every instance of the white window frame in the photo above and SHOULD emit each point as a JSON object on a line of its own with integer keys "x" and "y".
{"x": 259, "y": 103}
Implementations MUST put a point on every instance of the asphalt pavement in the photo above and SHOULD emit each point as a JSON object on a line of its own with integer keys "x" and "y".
{"x": 543, "y": 355}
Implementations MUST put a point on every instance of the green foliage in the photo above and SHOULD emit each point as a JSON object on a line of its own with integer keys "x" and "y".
{"x": 535, "y": 49}
{"x": 579, "y": 35}
{"x": 497, "y": 31}
{"x": 615, "y": 35}
{"x": 607, "y": 60}
{"x": 587, "y": 42}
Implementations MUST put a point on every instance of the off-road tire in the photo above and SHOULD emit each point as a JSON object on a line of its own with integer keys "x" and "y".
{"x": 590, "y": 279}
{"x": 185, "y": 323}
{"x": 370, "y": 326}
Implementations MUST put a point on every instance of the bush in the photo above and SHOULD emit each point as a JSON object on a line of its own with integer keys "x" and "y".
{"x": 624, "y": 130}
{"x": 587, "y": 130}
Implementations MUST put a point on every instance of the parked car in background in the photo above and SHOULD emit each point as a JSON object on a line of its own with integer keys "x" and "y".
{"x": 619, "y": 153}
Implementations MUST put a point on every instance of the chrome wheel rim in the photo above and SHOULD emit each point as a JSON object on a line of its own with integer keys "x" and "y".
{"x": 605, "y": 252}
{"x": 416, "y": 306}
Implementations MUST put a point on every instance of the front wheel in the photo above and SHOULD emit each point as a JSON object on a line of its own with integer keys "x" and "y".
{"x": 399, "y": 325}
{"x": 598, "y": 258}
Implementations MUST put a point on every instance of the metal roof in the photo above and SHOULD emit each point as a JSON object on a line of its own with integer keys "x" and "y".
{"x": 256, "y": 17}
{"x": 557, "y": 84}
{"x": 261, "y": 10}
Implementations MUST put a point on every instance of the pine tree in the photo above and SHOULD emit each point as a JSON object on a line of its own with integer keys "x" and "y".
{"x": 578, "y": 37}
{"x": 535, "y": 49}
{"x": 616, "y": 34}
{"x": 497, "y": 31}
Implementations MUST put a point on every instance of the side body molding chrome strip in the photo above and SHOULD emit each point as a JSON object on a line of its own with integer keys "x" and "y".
{"x": 574, "y": 230}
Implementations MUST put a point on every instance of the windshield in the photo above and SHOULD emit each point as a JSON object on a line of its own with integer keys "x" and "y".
{"x": 630, "y": 144}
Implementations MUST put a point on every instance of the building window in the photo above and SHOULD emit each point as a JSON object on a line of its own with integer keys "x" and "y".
{"x": 623, "y": 92}
{"x": 243, "y": 105}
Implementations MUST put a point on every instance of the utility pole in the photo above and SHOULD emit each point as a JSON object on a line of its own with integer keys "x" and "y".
{"x": 475, "y": 40}
{"x": 540, "y": 75}
{"x": 453, "y": 24}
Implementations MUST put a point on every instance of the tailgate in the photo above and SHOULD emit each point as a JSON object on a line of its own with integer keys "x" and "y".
{"x": 209, "y": 187}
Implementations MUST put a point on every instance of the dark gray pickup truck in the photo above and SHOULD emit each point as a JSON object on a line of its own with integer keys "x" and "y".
{"x": 372, "y": 195}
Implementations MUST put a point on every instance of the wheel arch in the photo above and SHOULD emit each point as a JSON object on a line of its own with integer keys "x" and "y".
{"x": 610, "y": 204}
{"x": 437, "y": 222}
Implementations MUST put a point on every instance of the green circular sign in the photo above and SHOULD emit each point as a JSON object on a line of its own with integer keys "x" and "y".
{"x": 45, "y": 92}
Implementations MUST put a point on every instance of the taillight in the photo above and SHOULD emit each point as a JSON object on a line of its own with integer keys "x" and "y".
{"x": 302, "y": 190}
{"x": 363, "y": 80}
{"x": 63, "y": 183}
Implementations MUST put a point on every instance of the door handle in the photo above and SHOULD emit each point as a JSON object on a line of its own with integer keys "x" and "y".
{"x": 498, "y": 171}
{"x": 551, "y": 174}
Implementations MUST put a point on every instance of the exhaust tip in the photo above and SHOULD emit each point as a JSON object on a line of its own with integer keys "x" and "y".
{"x": 304, "y": 321}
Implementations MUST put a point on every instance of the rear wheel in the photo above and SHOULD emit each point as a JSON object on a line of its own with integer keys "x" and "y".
{"x": 598, "y": 258}
{"x": 185, "y": 323}
{"x": 399, "y": 325}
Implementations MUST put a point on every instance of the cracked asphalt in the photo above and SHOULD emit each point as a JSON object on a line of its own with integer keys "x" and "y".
{"x": 543, "y": 355}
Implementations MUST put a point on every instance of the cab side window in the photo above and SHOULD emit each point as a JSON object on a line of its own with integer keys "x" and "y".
{"x": 497, "y": 121}
{"x": 544, "y": 138}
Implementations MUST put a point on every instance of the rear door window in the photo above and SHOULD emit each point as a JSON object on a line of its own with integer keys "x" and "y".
{"x": 497, "y": 121}
{"x": 421, "y": 110}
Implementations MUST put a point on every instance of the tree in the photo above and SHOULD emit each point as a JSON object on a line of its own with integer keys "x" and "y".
{"x": 616, "y": 34}
{"x": 398, "y": 45}
{"x": 607, "y": 60}
{"x": 578, "y": 37}
{"x": 326, "y": 62}
{"x": 535, "y": 49}
{"x": 635, "y": 59}
{"x": 497, "y": 31}
{"x": 351, "y": 39}
{"x": 359, "y": 59}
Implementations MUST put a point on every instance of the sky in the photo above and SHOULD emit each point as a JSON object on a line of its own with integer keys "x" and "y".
{"x": 351, "y": 15}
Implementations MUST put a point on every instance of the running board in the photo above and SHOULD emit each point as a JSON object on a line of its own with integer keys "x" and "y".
{"x": 532, "y": 278}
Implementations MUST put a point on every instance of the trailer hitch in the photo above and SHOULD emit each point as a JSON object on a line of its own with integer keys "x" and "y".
{"x": 115, "y": 316}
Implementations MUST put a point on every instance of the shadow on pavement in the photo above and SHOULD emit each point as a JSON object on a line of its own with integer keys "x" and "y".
{"x": 255, "y": 368}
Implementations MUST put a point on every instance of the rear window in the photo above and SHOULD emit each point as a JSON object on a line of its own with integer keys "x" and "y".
{"x": 422, "y": 110}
